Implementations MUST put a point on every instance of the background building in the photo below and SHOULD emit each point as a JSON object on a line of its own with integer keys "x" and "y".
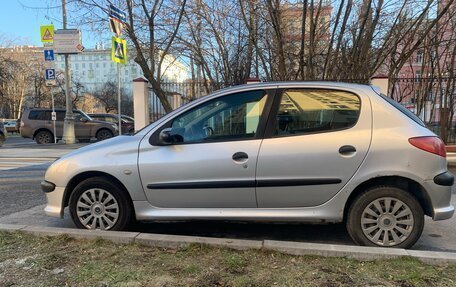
{"x": 93, "y": 68}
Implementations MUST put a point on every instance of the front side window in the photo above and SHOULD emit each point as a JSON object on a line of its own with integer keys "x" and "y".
{"x": 304, "y": 111}
{"x": 226, "y": 118}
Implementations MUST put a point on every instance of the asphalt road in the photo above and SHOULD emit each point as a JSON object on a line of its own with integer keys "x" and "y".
{"x": 22, "y": 202}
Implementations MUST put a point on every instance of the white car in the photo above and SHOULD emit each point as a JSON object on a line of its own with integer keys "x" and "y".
{"x": 316, "y": 152}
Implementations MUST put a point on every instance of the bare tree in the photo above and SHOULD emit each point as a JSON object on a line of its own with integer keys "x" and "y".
{"x": 107, "y": 96}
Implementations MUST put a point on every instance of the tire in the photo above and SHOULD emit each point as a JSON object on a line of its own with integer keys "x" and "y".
{"x": 2, "y": 139}
{"x": 401, "y": 218}
{"x": 96, "y": 203}
{"x": 104, "y": 134}
{"x": 44, "y": 137}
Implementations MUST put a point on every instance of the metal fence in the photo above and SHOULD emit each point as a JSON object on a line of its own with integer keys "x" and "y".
{"x": 179, "y": 94}
{"x": 432, "y": 99}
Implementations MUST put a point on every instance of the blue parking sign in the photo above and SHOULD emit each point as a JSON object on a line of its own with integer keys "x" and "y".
{"x": 49, "y": 55}
{"x": 50, "y": 74}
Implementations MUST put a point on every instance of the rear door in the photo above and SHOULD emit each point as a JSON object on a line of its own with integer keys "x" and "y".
{"x": 46, "y": 117}
{"x": 60, "y": 119}
{"x": 315, "y": 141}
{"x": 82, "y": 129}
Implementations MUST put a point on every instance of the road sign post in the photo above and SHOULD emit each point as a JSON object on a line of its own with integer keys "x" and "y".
{"x": 119, "y": 56}
{"x": 117, "y": 18}
{"x": 54, "y": 115}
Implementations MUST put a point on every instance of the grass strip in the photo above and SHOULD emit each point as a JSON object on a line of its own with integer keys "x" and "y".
{"x": 27, "y": 260}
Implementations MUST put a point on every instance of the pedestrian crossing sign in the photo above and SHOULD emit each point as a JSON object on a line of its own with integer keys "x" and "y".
{"x": 47, "y": 33}
{"x": 119, "y": 50}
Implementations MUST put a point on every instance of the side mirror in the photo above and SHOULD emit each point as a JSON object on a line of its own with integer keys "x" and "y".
{"x": 83, "y": 119}
{"x": 166, "y": 138}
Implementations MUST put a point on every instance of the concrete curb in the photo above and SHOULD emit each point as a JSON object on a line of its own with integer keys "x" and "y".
{"x": 176, "y": 241}
{"x": 294, "y": 248}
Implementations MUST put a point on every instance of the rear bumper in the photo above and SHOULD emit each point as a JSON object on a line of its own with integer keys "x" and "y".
{"x": 443, "y": 213}
{"x": 445, "y": 179}
{"x": 439, "y": 193}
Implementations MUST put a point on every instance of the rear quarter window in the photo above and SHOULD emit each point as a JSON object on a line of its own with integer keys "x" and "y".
{"x": 403, "y": 110}
{"x": 37, "y": 115}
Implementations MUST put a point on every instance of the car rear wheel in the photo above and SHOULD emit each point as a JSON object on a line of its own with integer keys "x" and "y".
{"x": 96, "y": 203}
{"x": 104, "y": 134}
{"x": 385, "y": 216}
{"x": 44, "y": 137}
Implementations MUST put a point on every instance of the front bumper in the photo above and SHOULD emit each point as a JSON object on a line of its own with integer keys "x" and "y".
{"x": 54, "y": 206}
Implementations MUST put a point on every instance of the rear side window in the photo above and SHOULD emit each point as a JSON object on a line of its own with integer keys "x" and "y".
{"x": 403, "y": 110}
{"x": 304, "y": 111}
{"x": 38, "y": 115}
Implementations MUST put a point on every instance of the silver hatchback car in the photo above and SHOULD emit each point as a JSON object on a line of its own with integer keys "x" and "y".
{"x": 316, "y": 152}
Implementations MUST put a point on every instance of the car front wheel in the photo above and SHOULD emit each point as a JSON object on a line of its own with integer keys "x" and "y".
{"x": 385, "y": 216}
{"x": 96, "y": 203}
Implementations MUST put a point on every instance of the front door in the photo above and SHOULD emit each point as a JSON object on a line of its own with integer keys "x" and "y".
{"x": 213, "y": 163}
{"x": 315, "y": 142}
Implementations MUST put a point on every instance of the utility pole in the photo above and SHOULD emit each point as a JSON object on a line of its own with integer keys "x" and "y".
{"x": 68, "y": 125}
{"x": 118, "y": 99}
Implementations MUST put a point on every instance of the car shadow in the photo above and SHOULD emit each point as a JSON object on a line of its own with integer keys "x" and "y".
{"x": 328, "y": 234}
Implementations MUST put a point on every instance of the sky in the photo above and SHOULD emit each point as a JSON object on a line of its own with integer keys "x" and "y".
{"x": 20, "y": 22}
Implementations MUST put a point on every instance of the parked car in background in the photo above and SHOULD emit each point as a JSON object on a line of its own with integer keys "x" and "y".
{"x": 3, "y": 133}
{"x": 317, "y": 152}
{"x": 128, "y": 123}
{"x": 36, "y": 123}
{"x": 10, "y": 126}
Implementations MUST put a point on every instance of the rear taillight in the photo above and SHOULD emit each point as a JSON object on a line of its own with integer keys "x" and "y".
{"x": 430, "y": 144}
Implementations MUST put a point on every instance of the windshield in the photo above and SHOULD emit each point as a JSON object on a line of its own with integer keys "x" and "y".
{"x": 128, "y": 119}
{"x": 85, "y": 115}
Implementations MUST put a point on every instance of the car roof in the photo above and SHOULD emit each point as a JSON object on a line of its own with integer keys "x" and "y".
{"x": 49, "y": 109}
{"x": 293, "y": 84}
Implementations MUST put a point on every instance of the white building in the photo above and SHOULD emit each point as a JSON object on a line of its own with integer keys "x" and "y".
{"x": 93, "y": 68}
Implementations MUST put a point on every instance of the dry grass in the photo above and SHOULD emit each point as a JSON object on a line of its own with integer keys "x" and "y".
{"x": 26, "y": 260}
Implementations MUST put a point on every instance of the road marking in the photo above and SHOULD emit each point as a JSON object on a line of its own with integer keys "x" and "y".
{"x": 8, "y": 163}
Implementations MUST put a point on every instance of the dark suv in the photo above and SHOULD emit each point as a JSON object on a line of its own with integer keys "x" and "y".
{"x": 128, "y": 123}
{"x": 36, "y": 123}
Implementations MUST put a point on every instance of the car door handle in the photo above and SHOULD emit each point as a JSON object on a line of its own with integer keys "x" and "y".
{"x": 240, "y": 156}
{"x": 347, "y": 149}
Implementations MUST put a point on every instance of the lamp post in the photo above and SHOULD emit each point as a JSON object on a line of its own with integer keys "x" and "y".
{"x": 68, "y": 125}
